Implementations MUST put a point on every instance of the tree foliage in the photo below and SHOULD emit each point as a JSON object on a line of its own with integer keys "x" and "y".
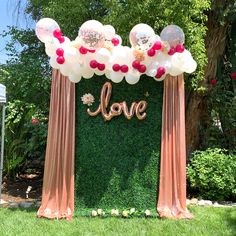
{"x": 27, "y": 71}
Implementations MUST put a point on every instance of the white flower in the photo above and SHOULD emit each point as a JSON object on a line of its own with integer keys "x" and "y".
{"x": 47, "y": 211}
{"x": 115, "y": 212}
{"x": 132, "y": 210}
{"x": 125, "y": 214}
{"x": 87, "y": 99}
{"x": 94, "y": 213}
{"x": 147, "y": 212}
{"x": 100, "y": 212}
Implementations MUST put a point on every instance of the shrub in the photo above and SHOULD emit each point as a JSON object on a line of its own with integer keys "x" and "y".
{"x": 212, "y": 174}
{"x": 25, "y": 138}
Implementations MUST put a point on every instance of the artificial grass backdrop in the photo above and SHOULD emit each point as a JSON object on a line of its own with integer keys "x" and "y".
{"x": 117, "y": 161}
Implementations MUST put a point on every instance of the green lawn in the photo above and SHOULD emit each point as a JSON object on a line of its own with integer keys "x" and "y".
{"x": 207, "y": 221}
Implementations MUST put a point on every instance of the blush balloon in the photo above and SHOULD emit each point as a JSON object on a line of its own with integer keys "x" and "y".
{"x": 45, "y": 28}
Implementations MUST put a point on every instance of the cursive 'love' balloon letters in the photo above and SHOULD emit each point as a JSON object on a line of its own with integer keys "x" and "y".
{"x": 116, "y": 109}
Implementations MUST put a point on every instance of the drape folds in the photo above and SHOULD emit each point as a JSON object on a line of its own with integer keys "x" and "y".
{"x": 58, "y": 182}
{"x": 172, "y": 186}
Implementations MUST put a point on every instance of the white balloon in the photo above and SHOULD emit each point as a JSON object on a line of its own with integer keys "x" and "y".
{"x": 122, "y": 55}
{"x": 151, "y": 72}
{"x": 77, "y": 68}
{"x": 177, "y": 62}
{"x": 108, "y": 74}
{"x": 164, "y": 61}
{"x": 102, "y": 55}
{"x": 67, "y": 40}
{"x": 119, "y": 51}
{"x": 85, "y": 59}
{"x": 174, "y": 71}
{"x": 65, "y": 69}
{"x": 87, "y": 72}
{"x": 119, "y": 38}
{"x": 53, "y": 63}
{"x": 50, "y": 51}
{"x": 160, "y": 79}
{"x": 184, "y": 62}
{"x": 190, "y": 66}
{"x": 99, "y": 72}
{"x": 109, "y": 32}
{"x": 44, "y": 29}
{"x": 132, "y": 77}
{"x": 157, "y": 38}
{"x": 152, "y": 69}
{"x": 71, "y": 54}
{"x": 117, "y": 77}
{"x": 51, "y": 46}
{"x": 75, "y": 78}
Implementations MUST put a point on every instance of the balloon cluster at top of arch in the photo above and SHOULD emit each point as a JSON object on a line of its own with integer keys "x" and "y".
{"x": 98, "y": 49}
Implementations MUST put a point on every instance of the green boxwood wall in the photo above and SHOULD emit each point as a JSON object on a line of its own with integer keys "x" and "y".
{"x": 117, "y": 161}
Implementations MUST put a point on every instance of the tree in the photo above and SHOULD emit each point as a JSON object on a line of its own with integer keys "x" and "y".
{"x": 211, "y": 111}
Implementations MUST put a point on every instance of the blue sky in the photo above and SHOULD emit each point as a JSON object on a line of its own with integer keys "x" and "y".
{"x": 8, "y": 16}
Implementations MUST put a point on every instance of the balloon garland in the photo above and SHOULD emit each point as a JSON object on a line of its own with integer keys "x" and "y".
{"x": 99, "y": 50}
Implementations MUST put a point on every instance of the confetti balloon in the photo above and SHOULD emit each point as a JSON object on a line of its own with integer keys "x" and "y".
{"x": 142, "y": 37}
{"x": 92, "y": 34}
{"x": 172, "y": 34}
{"x": 44, "y": 29}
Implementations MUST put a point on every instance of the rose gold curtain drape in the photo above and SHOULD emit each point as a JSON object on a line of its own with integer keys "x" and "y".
{"x": 172, "y": 187}
{"x": 58, "y": 182}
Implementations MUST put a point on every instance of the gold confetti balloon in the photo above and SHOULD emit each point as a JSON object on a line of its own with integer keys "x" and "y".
{"x": 92, "y": 34}
{"x": 142, "y": 37}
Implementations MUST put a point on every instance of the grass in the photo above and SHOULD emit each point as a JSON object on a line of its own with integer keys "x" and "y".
{"x": 207, "y": 221}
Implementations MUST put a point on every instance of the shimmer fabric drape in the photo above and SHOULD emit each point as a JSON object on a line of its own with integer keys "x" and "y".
{"x": 58, "y": 182}
{"x": 172, "y": 186}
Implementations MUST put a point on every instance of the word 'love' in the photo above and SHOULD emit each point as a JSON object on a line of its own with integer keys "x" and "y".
{"x": 116, "y": 108}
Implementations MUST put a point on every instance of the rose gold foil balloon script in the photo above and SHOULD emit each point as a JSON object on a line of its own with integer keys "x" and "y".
{"x": 116, "y": 109}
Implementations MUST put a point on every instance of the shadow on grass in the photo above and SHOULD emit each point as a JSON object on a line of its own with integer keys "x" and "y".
{"x": 29, "y": 210}
{"x": 230, "y": 218}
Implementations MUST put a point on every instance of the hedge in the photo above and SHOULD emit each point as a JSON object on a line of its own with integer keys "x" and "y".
{"x": 117, "y": 161}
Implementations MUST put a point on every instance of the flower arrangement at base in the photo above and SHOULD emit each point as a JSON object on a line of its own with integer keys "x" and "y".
{"x": 147, "y": 213}
{"x": 132, "y": 211}
{"x": 126, "y": 213}
{"x": 115, "y": 212}
{"x": 94, "y": 213}
{"x": 100, "y": 212}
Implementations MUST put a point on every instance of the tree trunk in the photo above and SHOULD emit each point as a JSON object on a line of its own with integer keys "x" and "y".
{"x": 197, "y": 107}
